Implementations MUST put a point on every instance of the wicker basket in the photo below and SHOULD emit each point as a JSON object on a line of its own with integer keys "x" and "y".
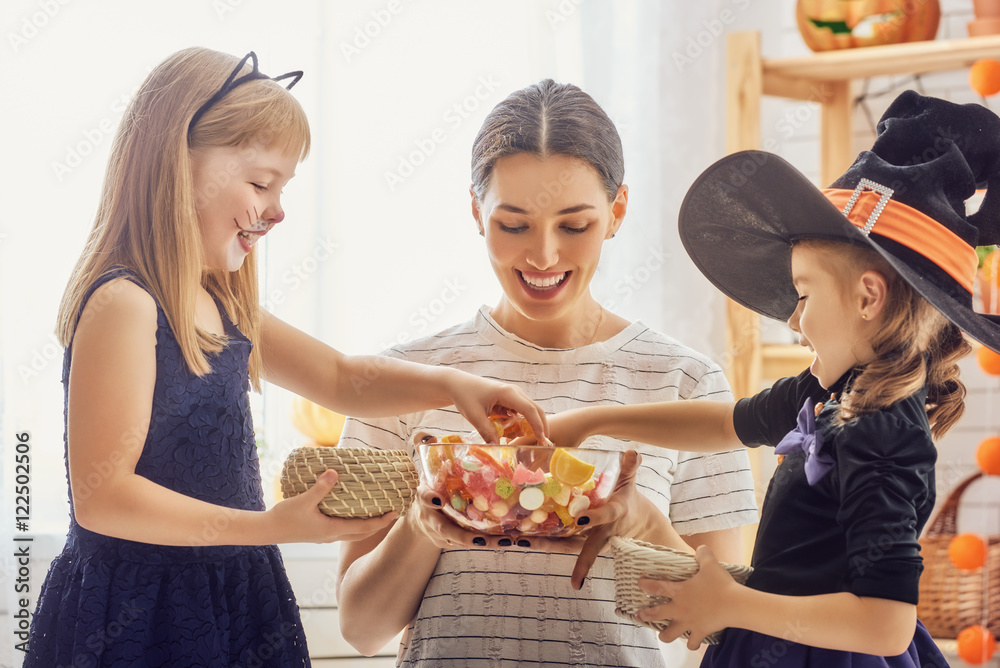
{"x": 951, "y": 599}
{"x": 372, "y": 482}
{"x": 635, "y": 559}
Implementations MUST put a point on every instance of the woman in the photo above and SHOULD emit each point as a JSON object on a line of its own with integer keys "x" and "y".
{"x": 547, "y": 193}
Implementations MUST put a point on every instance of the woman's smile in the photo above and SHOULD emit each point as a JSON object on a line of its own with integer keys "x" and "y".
{"x": 543, "y": 285}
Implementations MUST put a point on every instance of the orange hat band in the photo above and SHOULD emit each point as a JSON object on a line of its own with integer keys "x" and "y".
{"x": 873, "y": 211}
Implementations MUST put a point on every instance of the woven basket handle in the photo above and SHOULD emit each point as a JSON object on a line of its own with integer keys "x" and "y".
{"x": 946, "y": 523}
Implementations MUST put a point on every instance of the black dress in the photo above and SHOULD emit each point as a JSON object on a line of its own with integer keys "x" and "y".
{"x": 843, "y": 518}
{"x": 110, "y": 602}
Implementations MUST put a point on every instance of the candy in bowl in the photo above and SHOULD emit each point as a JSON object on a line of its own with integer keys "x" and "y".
{"x": 527, "y": 490}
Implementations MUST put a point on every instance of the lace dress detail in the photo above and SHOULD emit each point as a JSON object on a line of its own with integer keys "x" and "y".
{"x": 113, "y": 602}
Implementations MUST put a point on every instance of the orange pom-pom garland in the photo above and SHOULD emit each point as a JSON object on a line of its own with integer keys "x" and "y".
{"x": 967, "y": 551}
{"x": 976, "y": 645}
{"x": 988, "y": 455}
{"x": 984, "y": 76}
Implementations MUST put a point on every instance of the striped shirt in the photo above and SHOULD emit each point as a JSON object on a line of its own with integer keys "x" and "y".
{"x": 514, "y": 608}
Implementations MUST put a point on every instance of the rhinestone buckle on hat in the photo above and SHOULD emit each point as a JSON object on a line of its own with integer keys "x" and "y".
{"x": 867, "y": 184}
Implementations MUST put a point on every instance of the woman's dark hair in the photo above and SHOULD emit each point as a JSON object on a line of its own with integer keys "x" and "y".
{"x": 546, "y": 119}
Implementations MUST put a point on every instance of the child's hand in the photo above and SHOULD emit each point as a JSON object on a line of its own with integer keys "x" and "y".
{"x": 475, "y": 397}
{"x": 696, "y": 605}
{"x": 566, "y": 429}
{"x": 299, "y": 519}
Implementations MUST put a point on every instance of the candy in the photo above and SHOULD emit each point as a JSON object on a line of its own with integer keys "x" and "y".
{"x": 525, "y": 476}
{"x": 504, "y": 488}
{"x": 578, "y": 505}
{"x": 551, "y": 487}
{"x": 532, "y": 497}
{"x": 568, "y": 469}
{"x": 563, "y": 514}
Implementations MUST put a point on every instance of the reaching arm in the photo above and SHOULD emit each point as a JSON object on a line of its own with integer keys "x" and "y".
{"x": 694, "y": 426}
{"x": 111, "y": 383}
{"x": 376, "y": 386}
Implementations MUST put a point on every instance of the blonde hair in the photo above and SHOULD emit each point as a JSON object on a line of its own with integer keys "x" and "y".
{"x": 915, "y": 345}
{"x": 147, "y": 220}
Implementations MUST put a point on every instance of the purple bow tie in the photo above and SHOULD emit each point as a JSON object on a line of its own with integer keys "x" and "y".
{"x": 805, "y": 438}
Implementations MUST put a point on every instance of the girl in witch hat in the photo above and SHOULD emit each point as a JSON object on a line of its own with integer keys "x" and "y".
{"x": 876, "y": 275}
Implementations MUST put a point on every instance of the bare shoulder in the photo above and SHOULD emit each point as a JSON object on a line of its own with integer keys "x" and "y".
{"x": 117, "y": 308}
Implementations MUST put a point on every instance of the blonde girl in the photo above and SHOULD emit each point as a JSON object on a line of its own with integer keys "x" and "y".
{"x": 170, "y": 557}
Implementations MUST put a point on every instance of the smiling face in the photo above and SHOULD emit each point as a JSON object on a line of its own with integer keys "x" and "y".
{"x": 828, "y": 316}
{"x": 545, "y": 221}
{"x": 237, "y": 197}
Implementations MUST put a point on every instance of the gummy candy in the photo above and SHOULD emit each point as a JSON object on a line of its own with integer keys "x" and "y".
{"x": 531, "y": 498}
{"x": 504, "y": 488}
{"x": 522, "y": 476}
{"x": 551, "y": 487}
{"x": 509, "y": 490}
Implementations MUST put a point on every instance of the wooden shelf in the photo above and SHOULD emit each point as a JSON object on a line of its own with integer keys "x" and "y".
{"x": 824, "y": 79}
{"x": 873, "y": 61}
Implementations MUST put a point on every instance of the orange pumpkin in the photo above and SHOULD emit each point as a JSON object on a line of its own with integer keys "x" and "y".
{"x": 843, "y": 24}
{"x": 320, "y": 424}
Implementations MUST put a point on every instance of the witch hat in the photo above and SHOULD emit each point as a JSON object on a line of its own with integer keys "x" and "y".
{"x": 905, "y": 198}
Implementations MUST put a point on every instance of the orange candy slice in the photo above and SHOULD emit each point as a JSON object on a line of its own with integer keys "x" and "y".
{"x": 568, "y": 469}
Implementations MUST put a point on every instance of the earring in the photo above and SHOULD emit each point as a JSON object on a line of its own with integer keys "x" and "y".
{"x": 864, "y": 316}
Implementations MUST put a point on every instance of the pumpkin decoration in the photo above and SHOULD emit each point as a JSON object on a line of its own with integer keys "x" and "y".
{"x": 320, "y": 424}
{"x": 826, "y": 25}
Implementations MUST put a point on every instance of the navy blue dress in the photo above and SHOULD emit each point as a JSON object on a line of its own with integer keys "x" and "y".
{"x": 113, "y": 602}
{"x": 843, "y": 513}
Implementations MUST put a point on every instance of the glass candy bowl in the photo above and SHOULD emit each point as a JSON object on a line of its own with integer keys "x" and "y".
{"x": 525, "y": 490}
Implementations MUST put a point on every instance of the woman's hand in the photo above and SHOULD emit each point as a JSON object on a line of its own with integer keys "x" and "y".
{"x": 627, "y": 513}
{"x": 299, "y": 519}
{"x": 475, "y": 398}
{"x": 696, "y": 605}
